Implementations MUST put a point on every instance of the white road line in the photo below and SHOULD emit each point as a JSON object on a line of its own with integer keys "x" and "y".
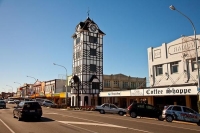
{"x": 105, "y": 123}
{"x": 7, "y": 126}
{"x": 134, "y": 121}
{"x": 82, "y": 128}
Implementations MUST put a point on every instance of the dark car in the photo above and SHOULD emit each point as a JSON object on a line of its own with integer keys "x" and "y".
{"x": 2, "y": 104}
{"x": 27, "y": 109}
{"x": 144, "y": 110}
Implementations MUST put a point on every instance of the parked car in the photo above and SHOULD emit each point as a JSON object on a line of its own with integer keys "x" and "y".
{"x": 11, "y": 101}
{"x": 2, "y": 104}
{"x": 47, "y": 103}
{"x": 17, "y": 101}
{"x": 110, "y": 108}
{"x": 27, "y": 109}
{"x": 180, "y": 113}
{"x": 144, "y": 110}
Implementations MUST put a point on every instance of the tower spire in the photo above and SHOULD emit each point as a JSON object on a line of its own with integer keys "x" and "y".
{"x": 88, "y": 12}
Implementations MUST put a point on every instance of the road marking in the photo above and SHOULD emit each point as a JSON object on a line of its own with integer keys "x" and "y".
{"x": 153, "y": 123}
{"x": 7, "y": 126}
{"x": 82, "y": 128}
{"x": 51, "y": 113}
{"x": 101, "y": 124}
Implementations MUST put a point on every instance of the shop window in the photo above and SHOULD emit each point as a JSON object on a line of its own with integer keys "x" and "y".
{"x": 194, "y": 64}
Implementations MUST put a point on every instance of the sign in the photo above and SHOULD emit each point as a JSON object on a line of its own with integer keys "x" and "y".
{"x": 188, "y": 90}
{"x": 114, "y": 93}
{"x": 138, "y": 92}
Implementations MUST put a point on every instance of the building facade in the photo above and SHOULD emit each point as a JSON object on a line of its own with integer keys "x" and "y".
{"x": 173, "y": 71}
{"x": 87, "y": 75}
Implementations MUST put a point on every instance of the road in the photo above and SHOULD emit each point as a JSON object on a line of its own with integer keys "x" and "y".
{"x": 64, "y": 121}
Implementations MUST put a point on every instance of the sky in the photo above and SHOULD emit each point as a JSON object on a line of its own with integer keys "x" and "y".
{"x": 34, "y": 34}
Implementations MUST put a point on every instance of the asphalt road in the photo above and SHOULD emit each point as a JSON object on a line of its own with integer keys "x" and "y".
{"x": 64, "y": 121}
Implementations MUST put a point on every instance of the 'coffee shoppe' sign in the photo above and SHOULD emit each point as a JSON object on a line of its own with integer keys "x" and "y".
{"x": 190, "y": 90}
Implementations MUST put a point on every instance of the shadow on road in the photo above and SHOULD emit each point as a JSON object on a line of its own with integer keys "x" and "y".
{"x": 43, "y": 119}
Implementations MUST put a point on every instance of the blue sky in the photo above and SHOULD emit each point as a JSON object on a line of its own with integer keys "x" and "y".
{"x": 34, "y": 34}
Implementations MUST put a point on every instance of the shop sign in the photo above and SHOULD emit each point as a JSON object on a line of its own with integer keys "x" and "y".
{"x": 138, "y": 92}
{"x": 170, "y": 91}
{"x": 114, "y": 93}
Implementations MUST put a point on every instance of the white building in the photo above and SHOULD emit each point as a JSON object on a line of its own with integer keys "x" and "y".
{"x": 173, "y": 69}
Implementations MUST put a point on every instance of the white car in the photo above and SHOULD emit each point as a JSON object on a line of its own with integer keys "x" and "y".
{"x": 11, "y": 102}
{"x": 110, "y": 108}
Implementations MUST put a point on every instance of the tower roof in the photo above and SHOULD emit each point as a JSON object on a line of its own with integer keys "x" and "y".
{"x": 84, "y": 26}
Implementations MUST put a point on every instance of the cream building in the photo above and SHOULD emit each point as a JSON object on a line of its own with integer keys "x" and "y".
{"x": 173, "y": 72}
{"x": 121, "y": 89}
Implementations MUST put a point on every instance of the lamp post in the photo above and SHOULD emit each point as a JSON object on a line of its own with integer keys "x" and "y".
{"x": 20, "y": 86}
{"x": 66, "y": 100}
{"x": 11, "y": 87}
{"x": 35, "y": 81}
{"x": 195, "y": 42}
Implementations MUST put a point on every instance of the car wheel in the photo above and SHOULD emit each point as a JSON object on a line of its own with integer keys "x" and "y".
{"x": 133, "y": 115}
{"x": 19, "y": 117}
{"x": 169, "y": 118}
{"x": 102, "y": 111}
{"x": 198, "y": 123}
{"x": 14, "y": 115}
{"x": 121, "y": 113}
{"x": 160, "y": 118}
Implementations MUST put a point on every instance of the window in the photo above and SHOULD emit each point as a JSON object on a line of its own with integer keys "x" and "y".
{"x": 133, "y": 85}
{"x": 159, "y": 70}
{"x": 92, "y": 39}
{"x": 93, "y": 68}
{"x": 194, "y": 64}
{"x": 116, "y": 83}
{"x": 188, "y": 110}
{"x": 78, "y": 40}
{"x": 78, "y": 55}
{"x": 95, "y": 85}
{"x": 125, "y": 84}
{"x": 150, "y": 107}
{"x": 106, "y": 83}
{"x": 93, "y": 52}
{"x": 177, "y": 108}
{"x": 140, "y": 106}
{"x": 174, "y": 67}
{"x": 113, "y": 106}
{"x": 106, "y": 106}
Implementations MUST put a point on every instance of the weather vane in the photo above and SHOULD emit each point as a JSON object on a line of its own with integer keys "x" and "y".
{"x": 88, "y": 12}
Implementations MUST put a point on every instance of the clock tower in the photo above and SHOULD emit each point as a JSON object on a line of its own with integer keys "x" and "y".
{"x": 87, "y": 75}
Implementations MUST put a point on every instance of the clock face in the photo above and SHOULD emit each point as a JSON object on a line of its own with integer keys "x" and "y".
{"x": 93, "y": 28}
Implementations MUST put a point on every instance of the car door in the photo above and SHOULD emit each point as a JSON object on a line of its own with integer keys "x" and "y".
{"x": 113, "y": 109}
{"x": 150, "y": 111}
{"x": 140, "y": 110}
{"x": 176, "y": 112}
{"x": 189, "y": 115}
{"x": 106, "y": 108}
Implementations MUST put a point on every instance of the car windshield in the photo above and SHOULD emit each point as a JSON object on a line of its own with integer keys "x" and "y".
{"x": 31, "y": 105}
{"x": 2, "y": 101}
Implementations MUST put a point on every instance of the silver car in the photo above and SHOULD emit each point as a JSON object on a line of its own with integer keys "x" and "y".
{"x": 110, "y": 108}
{"x": 180, "y": 113}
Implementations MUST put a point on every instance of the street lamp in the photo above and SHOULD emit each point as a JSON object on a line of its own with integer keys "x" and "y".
{"x": 20, "y": 86}
{"x": 66, "y": 100}
{"x": 11, "y": 87}
{"x": 35, "y": 81}
{"x": 195, "y": 42}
